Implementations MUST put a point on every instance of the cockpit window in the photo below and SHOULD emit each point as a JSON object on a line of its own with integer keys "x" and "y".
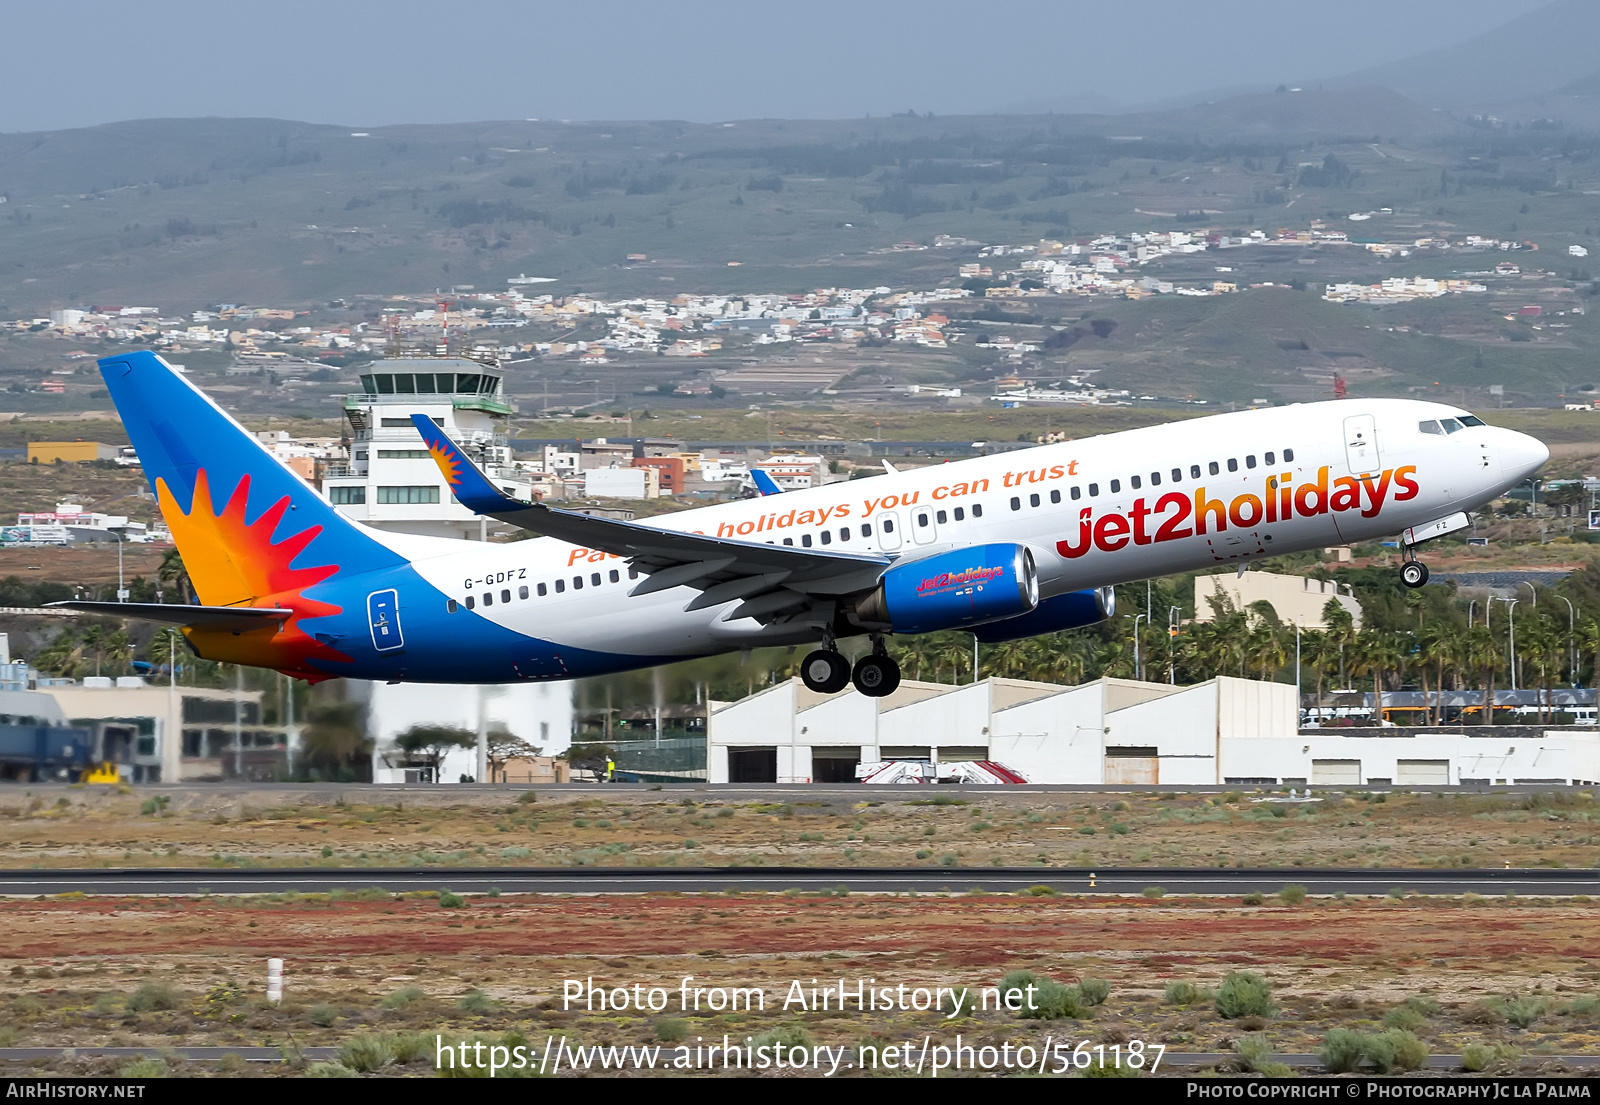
{"x": 1450, "y": 425}
{"x": 1471, "y": 420}
{"x": 1429, "y": 427}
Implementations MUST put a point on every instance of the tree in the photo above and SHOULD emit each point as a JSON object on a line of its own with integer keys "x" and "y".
{"x": 334, "y": 740}
{"x": 1543, "y": 642}
{"x": 504, "y": 746}
{"x": 94, "y": 638}
{"x": 588, "y": 757}
{"x": 172, "y": 570}
{"x": 1481, "y": 653}
{"x": 429, "y": 744}
{"x": 1341, "y": 631}
{"x": 1589, "y": 641}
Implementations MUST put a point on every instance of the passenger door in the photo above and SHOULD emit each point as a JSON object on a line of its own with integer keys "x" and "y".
{"x": 923, "y": 531}
{"x": 1361, "y": 445}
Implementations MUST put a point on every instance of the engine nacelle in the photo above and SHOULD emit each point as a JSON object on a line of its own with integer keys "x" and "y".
{"x": 953, "y": 590}
{"x": 1068, "y": 611}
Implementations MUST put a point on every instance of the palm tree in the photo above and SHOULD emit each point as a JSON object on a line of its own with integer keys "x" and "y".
{"x": 954, "y": 649}
{"x": 172, "y": 570}
{"x": 1376, "y": 653}
{"x": 1544, "y": 643}
{"x": 1481, "y": 653}
{"x": 1062, "y": 659}
{"x": 1589, "y": 641}
{"x": 1318, "y": 649}
{"x": 1266, "y": 646}
{"x": 94, "y": 637}
{"x": 1341, "y": 630}
{"x": 1438, "y": 647}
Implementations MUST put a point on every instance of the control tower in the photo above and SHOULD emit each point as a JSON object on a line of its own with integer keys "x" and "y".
{"x": 391, "y": 481}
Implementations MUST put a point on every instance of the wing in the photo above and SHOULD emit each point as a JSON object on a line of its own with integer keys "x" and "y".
{"x": 238, "y": 618}
{"x": 764, "y": 482}
{"x": 771, "y": 579}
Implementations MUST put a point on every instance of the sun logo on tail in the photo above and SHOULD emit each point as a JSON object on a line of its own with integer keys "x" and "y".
{"x": 449, "y": 462}
{"x": 236, "y": 563}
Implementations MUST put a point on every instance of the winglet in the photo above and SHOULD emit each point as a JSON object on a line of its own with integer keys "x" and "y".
{"x": 764, "y": 482}
{"x": 468, "y": 484}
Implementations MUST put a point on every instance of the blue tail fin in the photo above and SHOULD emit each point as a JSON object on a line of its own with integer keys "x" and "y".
{"x": 764, "y": 482}
{"x": 251, "y": 532}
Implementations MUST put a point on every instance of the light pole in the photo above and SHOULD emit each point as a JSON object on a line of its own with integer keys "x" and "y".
{"x": 1173, "y": 613}
{"x": 1572, "y": 624}
{"x": 1471, "y": 606}
{"x": 122, "y": 590}
{"x": 1531, "y": 591}
{"x": 1297, "y": 700}
{"x": 1137, "y": 666}
{"x": 1511, "y": 645}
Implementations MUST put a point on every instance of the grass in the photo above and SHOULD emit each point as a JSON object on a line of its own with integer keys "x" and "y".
{"x": 477, "y": 1003}
{"x": 153, "y": 996}
{"x": 1523, "y": 1011}
{"x": 1244, "y": 994}
{"x": 1345, "y": 1050}
{"x": 1182, "y": 993}
{"x": 365, "y": 1054}
{"x": 404, "y": 997}
{"x": 1477, "y": 1057}
{"x": 1256, "y": 1056}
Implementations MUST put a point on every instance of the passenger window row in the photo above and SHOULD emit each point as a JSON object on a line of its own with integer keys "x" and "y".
{"x": 487, "y": 598}
{"x": 1175, "y": 475}
{"x": 826, "y": 537}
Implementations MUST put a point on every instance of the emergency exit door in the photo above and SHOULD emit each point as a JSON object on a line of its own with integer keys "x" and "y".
{"x": 383, "y": 616}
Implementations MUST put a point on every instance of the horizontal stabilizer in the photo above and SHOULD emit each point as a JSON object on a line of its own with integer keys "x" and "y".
{"x": 237, "y": 618}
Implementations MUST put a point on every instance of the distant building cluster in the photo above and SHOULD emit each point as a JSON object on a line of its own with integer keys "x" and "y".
{"x": 1399, "y": 289}
{"x": 264, "y": 339}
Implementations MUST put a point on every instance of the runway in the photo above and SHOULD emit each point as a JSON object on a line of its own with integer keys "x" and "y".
{"x": 1206, "y": 882}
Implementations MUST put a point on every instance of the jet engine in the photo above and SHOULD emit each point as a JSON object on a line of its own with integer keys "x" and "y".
{"x": 953, "y": 590}
{"x": 1068, "y": 611}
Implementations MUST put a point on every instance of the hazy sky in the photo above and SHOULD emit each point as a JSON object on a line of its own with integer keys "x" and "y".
{"x": 399, "y": 61}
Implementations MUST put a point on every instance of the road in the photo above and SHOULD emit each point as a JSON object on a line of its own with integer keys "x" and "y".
{"x": 1210, "y": 882}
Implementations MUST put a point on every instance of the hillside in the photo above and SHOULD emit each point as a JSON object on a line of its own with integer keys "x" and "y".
{"x": 1531, "y": 55}
{"x": 185, "y": 214}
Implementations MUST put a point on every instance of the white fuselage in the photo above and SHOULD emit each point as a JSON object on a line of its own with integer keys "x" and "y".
{"x": 1188, "y": 495}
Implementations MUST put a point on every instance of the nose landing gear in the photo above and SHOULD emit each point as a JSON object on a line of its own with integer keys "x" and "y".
{"x": 1413, "y": 572}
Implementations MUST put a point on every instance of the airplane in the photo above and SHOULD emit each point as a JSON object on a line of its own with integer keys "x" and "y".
{"x": 1004, "y": 546}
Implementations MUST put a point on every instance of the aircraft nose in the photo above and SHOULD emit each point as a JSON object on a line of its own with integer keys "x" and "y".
{"x": 1521, "y": 456}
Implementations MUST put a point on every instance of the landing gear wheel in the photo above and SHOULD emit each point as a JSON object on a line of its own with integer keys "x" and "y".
{"x": 825, "y": 671}
{"x": 1413, "y": 573}
{"x": 876, "y": 676}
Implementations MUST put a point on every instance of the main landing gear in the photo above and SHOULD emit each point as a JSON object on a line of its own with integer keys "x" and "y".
{"x": 1413, "y": 572}
{"x": 875, "y": 675}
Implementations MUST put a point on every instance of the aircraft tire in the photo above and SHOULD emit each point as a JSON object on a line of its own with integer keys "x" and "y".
{"x": 825, "y": 671}
{"x": 1414, "y": 573}
{"x": 876, "y": 676}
